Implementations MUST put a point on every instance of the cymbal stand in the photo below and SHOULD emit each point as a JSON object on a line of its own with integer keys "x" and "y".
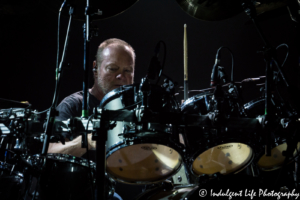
{"x": 270, "y": 58}
{"x": 59, "y": 70}
{"x": 52, "y": 111}
{"x": 100, "y": 135}
{"x": 86, "y": 37}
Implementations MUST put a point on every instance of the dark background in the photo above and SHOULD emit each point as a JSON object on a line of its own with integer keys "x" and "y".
{"x": 28, "y": 48}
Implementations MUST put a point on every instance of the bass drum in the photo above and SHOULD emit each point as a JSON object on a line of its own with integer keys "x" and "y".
{"x": 278, "y": 140}
{"x": 138, "y": 156}
{"x": 223, "y": 151}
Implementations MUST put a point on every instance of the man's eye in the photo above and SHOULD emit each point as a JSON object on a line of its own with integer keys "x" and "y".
{"x": 113, "y": 69}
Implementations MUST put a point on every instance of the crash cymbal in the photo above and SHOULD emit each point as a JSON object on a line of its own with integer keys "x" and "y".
{"x": 211, "y": 10}
{"x": 109, "y": 8}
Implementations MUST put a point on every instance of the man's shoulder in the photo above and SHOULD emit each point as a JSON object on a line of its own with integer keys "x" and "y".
{"x": 75, "y": 97}
{"x": 73, "y": 101}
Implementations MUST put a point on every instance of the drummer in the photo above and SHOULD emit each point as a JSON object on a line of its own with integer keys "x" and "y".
{"x": 113, "y": 67}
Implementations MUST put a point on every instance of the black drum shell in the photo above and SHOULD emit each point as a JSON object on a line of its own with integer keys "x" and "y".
{"x": 64, "y": 177}
{"x": 11, "y": 182}
{"x": 199, "y": 139}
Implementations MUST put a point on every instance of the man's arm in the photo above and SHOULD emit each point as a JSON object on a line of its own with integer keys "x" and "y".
{"x": 72, "y": 147}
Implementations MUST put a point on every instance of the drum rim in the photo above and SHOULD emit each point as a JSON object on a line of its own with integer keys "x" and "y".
{"x": 216, "y": 143}
{"x": 261, "y": 153}
{"x": 66, "y": 158}
{"x": 235, "y": 172}
{"x": 20, "y": 112}
{"x": 115, "y": 93}
{"x": 145, "y": 182}
{"x": 194, "y": 98}
{"x": 162, "y": 140}
{"x": 13, "y": 173}
{"x": 159, "y": 188}
{"x": 120, "y": 146}
{"x": 252, "y": 103}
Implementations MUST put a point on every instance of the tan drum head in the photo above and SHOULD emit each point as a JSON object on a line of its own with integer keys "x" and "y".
{"x": 143, "y": 163}
{"x": 275, "y": 161}
{"x": 225, "y": 158}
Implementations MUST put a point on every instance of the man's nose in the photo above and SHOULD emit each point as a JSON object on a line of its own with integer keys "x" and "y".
{"x": 120, "y": 76}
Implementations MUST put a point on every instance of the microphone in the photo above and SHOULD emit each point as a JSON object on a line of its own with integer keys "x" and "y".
{"x": 214, "y": 74}
{"x": 154, "y": 67}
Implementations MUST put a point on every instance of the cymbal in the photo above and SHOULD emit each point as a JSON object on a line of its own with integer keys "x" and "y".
{"x": 257, "y": 81}
{"x": 6, "y": 103}
{"x": 109, "y": 8}
{"x": 266, "y": 11}
{"x": 266, "y": 7}
{"x": 211, "y": 10}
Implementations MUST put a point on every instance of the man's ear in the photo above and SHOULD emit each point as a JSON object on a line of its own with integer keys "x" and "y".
{"x": 95, "y": 68}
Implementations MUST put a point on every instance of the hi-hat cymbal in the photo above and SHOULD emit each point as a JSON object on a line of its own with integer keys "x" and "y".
{"x": 109, "y": 8}
{"x": 211, "y": 10}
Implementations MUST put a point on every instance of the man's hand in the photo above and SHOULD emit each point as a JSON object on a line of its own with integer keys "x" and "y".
{"x": 72, "y": 147}
{"x": 91, "y": 143}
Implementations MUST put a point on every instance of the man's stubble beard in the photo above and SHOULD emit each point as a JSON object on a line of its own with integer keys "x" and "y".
{"x": 102, "y": 86}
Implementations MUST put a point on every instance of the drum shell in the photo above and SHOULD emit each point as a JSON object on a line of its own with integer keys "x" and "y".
{"x": 130, "y": 136}
{"x": 145, "y": 144}
{"x": 199, "y": 140}
{"x": 203, "y": 103}
{"x": 198, "y": 104}
{"x": 11, "y": 182}
{"x": 125, "y": 97}
{"x": 64, "y": 176}
{"x": 277, "y": 138}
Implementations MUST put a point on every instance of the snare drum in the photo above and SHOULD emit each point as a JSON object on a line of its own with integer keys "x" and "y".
{"x": 64, "y": 176}
{"x": 213, "y": 151}
{"x": 278, "y": 140}
{"x": 137, "y": 156}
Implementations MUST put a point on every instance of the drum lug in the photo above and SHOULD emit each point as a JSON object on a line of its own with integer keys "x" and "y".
{"x": 167, "y": 185}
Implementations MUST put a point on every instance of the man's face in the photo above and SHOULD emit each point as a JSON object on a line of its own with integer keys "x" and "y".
{"x": 117, "y": 68}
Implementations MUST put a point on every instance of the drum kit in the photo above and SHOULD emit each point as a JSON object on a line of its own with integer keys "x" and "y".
{"x": 213, "y": 140}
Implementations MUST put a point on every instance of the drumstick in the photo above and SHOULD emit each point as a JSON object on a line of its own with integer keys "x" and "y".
{"x": 185, "y": 64}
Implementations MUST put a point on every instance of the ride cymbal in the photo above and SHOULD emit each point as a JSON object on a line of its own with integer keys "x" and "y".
{"x": 211, "y": 10}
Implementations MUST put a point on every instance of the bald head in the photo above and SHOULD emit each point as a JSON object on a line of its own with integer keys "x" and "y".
{"x": 113, "y": 42}
{"x": 113, "y": 67}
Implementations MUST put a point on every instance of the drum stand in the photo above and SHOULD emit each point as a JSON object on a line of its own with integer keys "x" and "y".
{"x": 269, "y": 119}
{"x": 101, "y": 137}
{"x": 52, "y": 111}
